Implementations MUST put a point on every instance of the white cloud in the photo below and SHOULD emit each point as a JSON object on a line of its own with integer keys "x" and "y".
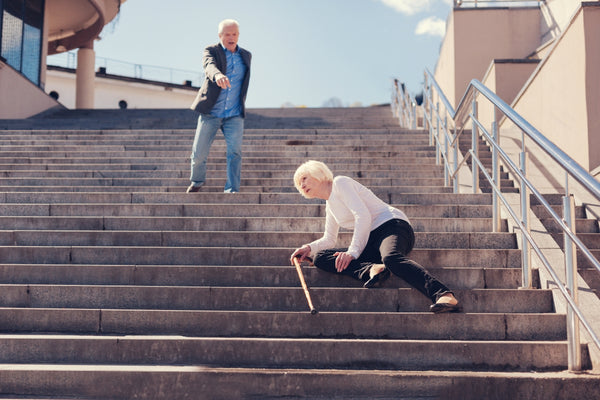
{"x": 408, "y": 7}
{"x": 432, "y": 26}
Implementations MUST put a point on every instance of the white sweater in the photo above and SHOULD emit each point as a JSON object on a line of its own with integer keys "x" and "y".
{"x": 353, "y": 206}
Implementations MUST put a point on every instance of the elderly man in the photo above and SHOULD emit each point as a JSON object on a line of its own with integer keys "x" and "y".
{"x": 221, "y": 104}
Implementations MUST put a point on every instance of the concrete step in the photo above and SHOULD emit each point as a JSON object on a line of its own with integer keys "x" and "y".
{"x": 127, "y": 382}
{"x": 147, "y": 255}
{"x": 18, "y": 226}
{"x": 247, "y": 276}
{"x": 356, "y": 325}
{"x": 131, "y": 184}
{"x": 286, "y": 353}
{"x": 289, "y": 299}
{"x": 238, "y": 232}
{"x": 224, "y": 209}
{"x": 587, "y": 227}
{"x": 179, "y": 198}
{"x": 182, "y": 170}
{"x": 176, "y": 174}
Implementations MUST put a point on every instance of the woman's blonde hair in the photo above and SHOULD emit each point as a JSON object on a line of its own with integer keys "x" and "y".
{"x": 315, "y": 169}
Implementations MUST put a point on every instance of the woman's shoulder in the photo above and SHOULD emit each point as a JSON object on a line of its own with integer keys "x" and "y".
{"x": 343, "y": 179}
{"x": 341, "y": 182}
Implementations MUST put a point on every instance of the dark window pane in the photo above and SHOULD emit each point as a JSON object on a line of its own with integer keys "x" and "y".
{"x": 32, "y": 40}
{"x": 12, "y": 31}
{"x": 31, "y": 54}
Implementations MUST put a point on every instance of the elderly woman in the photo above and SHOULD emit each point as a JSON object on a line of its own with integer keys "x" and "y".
{"x": 381, "y": 233}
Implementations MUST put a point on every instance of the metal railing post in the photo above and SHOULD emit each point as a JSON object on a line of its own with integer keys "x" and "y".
{"x": 525, "y": 206}
{"x": 437, "y": 133}
{"x": 475, "y": 148}
{"x": 446, "y": 161}
{"x": 574, "y": 347}
{"x": 496, "y": 179}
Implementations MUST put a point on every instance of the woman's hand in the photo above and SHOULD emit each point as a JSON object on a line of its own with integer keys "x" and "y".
{"x": 342, "y": 260}
{"x": 300, "y": 253}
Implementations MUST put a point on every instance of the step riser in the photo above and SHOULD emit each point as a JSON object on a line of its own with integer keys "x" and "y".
{"x": 287, "y": 325}
{"x": 238, "y": 233}
{"x": 289, "y": 353}
{"x": 475, "y": 258}
{"x": 226, "y": 384}
{"x": 238, "y": 198}
{"x": 109, "y": 211}
{"x": 463, "y": 278}
{"x": 264, "y": 299}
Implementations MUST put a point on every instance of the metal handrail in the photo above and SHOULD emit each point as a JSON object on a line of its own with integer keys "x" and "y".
{"x": 445, "y": 139}
{"x": 403, "y": 106}
{"x": 497, "y": 3}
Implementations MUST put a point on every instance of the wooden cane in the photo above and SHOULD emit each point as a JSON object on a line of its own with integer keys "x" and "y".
{"x": 313, "y": 310}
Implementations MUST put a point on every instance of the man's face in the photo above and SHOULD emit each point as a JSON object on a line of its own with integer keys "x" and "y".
{"x": 229, "y": 37}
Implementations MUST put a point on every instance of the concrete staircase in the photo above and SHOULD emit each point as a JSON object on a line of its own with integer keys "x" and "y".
{"x": 116, "y": 284}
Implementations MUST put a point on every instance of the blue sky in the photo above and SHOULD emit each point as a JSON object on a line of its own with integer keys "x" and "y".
{"x": 305, "y": 52}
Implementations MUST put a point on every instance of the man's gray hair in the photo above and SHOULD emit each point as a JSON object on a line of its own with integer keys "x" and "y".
{"x": 227, "y": 22}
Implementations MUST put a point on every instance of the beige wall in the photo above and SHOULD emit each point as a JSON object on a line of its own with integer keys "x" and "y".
{"x": 554, "y": 101}
{"x": 592, "y": 74}
{"x": 476, "y": 36}
{"x": 445, "y": 66}
{"x": 108, "y": 92}
{"x": 505, "y": 78}
{"x": 21, "y": 98}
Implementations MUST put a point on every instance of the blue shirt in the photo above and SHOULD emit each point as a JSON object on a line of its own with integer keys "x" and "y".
{"x": 229, "y": 103}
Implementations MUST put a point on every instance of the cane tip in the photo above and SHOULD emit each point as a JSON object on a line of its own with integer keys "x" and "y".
{"x": 313, "y": 311}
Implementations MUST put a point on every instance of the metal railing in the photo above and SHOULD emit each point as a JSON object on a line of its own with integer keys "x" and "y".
{"x": 403, "y": 106}
{"x": 497, "y": 3}
{"x": 132, "y": 70}
{"x": 438, "y": 111}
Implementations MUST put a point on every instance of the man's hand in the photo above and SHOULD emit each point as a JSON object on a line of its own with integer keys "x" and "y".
{"x": 223, "y": 82}
{"x": 342, "y": 260}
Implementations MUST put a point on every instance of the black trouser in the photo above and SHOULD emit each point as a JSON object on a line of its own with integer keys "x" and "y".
{"x": 389, "y": 243}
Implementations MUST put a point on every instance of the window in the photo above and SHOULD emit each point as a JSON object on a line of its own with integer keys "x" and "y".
{"x": 21, "y": 27}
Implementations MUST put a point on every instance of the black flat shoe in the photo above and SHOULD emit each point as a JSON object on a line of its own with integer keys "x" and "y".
{"x": 439, "y": 308}
{"x": 380, "y": 277}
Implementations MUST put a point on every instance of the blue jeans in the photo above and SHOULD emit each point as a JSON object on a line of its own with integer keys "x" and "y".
{"x": 233, "y": 130}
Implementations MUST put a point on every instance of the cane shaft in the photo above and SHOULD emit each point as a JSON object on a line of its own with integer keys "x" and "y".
{"x": 303, "y": 283}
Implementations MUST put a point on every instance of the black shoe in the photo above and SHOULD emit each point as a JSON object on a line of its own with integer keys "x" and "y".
{"x": 439, "y": 308}
{"x": 193, "y": 189}
{"x": 380, "y": 277}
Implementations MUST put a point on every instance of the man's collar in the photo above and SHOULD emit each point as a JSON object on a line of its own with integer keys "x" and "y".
{"x": 237, "y": 47}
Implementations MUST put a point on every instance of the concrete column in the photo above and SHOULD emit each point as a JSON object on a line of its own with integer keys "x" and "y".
{"x": 84, "y": 91}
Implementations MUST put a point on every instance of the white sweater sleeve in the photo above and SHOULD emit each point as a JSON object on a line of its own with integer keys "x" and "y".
{"x": 362, "y": 217}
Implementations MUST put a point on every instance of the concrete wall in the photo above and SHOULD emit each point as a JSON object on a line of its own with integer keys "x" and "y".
{"x": 108, "y": 92}
{"x": 591, "y": 24}
{"x": 505, "y": 78}
{"x": 478, "y": 35}
{"x": 19, "y": 98}
{"x": 561, "y": 99}
{"x": 446, "y": 64}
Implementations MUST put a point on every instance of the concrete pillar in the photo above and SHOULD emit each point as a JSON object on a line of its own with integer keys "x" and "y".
{"x": 85, "y": 75}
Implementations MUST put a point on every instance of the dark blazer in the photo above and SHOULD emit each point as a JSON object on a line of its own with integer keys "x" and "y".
{"x": 215, "y": 62}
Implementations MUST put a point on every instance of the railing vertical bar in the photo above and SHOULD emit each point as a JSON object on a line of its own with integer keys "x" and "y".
{"x": 496, "y": 179}
{"x": 525, "y": 206}
{"x": 447, "y": 171}
{"x": 574, "y": 346}
{"x": 475, "y": 148}
{"x": 437, "y": 133}
{"x": 456, "y": 174}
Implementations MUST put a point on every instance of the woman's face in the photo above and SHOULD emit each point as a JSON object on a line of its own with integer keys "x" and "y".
{"x": 310, "y": 187}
